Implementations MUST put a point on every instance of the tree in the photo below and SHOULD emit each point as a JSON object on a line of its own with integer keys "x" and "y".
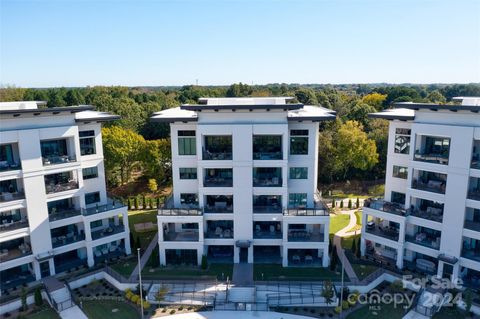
{"x": 122, "y": 150}
{"x": 239, "y": 90}
{"x": 341, "y": 203}
{"x": 328, "y": 292}
{"x": 349, "y": 203}
{"x": 436, "y": 97}
{"x": 38, "y": 298}
{"x": 354, "y": 148}
{"x": 23, "y": 297}
{"x": 306, "y": 96}
{"x": 359, "y": 111}
{"x": 375, "y": 99}
{"x": 156, "y": 160}
{"x": 379, "y": 133}
{"x": 358, "y": 203}
{"x": 334, "y": 259}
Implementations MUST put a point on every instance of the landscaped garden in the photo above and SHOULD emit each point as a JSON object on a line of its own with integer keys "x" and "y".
{"x": 338, "y": 222}
{"x": 213, "y": 271}
{"x": 142, "y": 237}
{"x": 277, "y": 272}
{"x": 101, "y": 309}
{"x": 45, "y": 312}
{"x": 125, "y": 266}
{"x": 175, "y": 310}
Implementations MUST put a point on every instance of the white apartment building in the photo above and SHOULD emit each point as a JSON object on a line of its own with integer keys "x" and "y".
{"x": 429, "y": 220}
{"x": 244, "y": 183}
{"x": 54, "y": 210}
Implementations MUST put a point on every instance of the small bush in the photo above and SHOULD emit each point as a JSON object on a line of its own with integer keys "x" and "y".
{"x": 345, "y": 305}
{"x": 180, "y": 308}
{"x": 38, "y": 298}
{"x": 172, "y": 311}
{"x": 349, "y": 204}
{"x": 164, "y": 310}
{"x": 152, "y": 185}
{"x": 341, "y": 204}
{"x": 338, "y": 309}
{"x": 134, "y": 298}
{"x": 146, "y": 305}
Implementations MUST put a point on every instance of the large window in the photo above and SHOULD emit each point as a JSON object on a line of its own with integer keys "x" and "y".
{"x": 402, "y": 140}
{"x": 54, "y": 148}
{"x": 90, "y": 172}
{"x": 398, "y": 198}
{"x": 267, "y": 147}
{"x": 188, "y": 173}
{"x": 400, "y": 172}
{"x": 298, "y": 172}
{"x": 189, "y": 199}
{"x": 297, "y": 199}
{"x": 298, "y": 142}
{"x": 92, "y": 198}
{"x": 186, "y": 143}
{"x": 87, "y": 142}
{"x": 218, "y": 147}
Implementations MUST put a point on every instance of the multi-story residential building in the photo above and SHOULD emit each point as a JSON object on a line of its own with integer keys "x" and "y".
{"x": 244, "y": 183}
{"x": 54, "y": 210}
{"x": 429, "y": 220}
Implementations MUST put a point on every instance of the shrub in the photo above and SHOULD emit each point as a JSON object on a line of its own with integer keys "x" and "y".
{"x": 354, "y": 246}
{"x": 341, "y": 204}
{"x": 180, "y": 308}
{"x": 38, "y": 297}
{"x": 345, "y": 305}
{"x": 358, "y": 202}
{"x": 349, "y": 203}
{"x": 134, "y": 298}
{"x": 172, "y": 311}
{"x": 129, "y": 201}
{"x": 204, "y": 262}
{"x": 146, "y": 305}
{"x": 144, "y": 202}
{"x": 152, "y": 185}
{"x": 338, "y": 309}
{"x": 333, "y": 203}
{"x": 137, "y": 203}
{"x": 23, "y": 297}
{"x": 159, "y": 202}
{"x": 164, "y": 310}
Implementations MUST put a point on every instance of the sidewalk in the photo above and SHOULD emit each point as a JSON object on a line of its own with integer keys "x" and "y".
{"x": 73, "y": 313}
{"x": 337, "y": 241}
{"x": 145, "y": 257}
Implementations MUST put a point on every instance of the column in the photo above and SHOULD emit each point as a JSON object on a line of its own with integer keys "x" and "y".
{"x": 400, "y": 252}
{"x": 285, "y": 256}
{"x": 88, "y": 231}
{"x": 90, "y": 259}
{"x": 36, "y": 269}
{"x": 325, "y": 259}
{"x": 128, "y": 249}
{"x": 363, "y": 245}
{"x": 163, "y": 258}
{"x": 440, "y": 269}
{"x": 250, "y": 254}
{"x": 401, "y": 233}
{"x": 456, "y": 272}
{"x": 236, "y": 254}
{"x": 51, "y": 265}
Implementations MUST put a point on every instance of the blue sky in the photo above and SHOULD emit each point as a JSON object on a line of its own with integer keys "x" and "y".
{"x": 79, "y": 43}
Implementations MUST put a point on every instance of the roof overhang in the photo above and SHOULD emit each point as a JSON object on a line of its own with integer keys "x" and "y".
{"x": 437, "y": 107}
{"x": 251, "y": 107}
{"x": 51, "y": 110}
{"x": 401, "y": 114}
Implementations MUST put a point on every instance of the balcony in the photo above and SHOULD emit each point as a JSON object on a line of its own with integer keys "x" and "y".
{"x": 218, "y": 204}
{"x": 474, "y": 189}
{"x": 472, "y": 219}
{"x": 426, "y": 209}
{"x": 429, "y": 181}
{"x": 384, "y": 206}
{"x": 267, "y": 177}
{"x": 14, "y": 249}
{"x": 267, "y": 147}
{"x": 218, "y": 177}
{"x": 219, "y": 229}
{"x": 186, "y": 235}
{"x": 217, "y": 148}
{"x": 432, "y": 149}
{"x": 61, "y": 182}
{"x": 11, "y": 190}
{"x": 97, "y": 209}
{"x": 9, "y": 157}
{"x": 471, "y": 249}
{"x": 108, "y": 231}
{"x": 424, "y": 239}
{"x": 319, "y": 209}
{"x": 267, "y": 230}
{"x": 267, "y": 204}
{"x": 475, "y": 163}
{"x": 382, "y": 231}
{"x": 305, "y": 235}
{"x": 63, "y": 213}
{"x": 180, "y": 212}
{"x": 57, "y": 152}
{"x": 69, "y": 238}
{"x": 14, "y": 219}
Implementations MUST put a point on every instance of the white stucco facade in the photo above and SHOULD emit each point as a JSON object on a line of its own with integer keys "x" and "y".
{"x": 244, "y": 183}
{"x": 430, "y": 219}
{"x": 54, "y": 210}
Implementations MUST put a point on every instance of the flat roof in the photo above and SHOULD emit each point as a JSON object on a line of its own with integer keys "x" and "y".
{"x": 217, "y": 107}
{"x": 437, "y": 107}
{"x": 95, "y": 116}
{"x": 402, "y": 114}
{"x": 53, "y": 110}
{"x": 175, "y": 114}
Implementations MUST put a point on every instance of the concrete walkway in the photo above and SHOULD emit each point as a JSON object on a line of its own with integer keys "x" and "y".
{"x": 73, "y": 313}
{"x": 145, "y": 257}
{"x": 242, "y": 274}
{"x": 337, "y": 241}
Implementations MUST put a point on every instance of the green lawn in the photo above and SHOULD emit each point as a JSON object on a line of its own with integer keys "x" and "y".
{"x": 449, "y": 312}
{"x": 124, "y": 267}
{"x": 376, "y": 312}
{"x": 46, "y": 313}
{"x": 363, "y": 271}
{"x": 142, "y": 216}
{"x": 347, "y": 241}
{"x": 338, "y": 222}
{"x": 277, "y": 272}
{"x": 182, "y": 272}
{"x": 109, "y": 309}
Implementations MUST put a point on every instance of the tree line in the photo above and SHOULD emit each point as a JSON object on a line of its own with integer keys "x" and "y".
{"x": 352, "y": 147}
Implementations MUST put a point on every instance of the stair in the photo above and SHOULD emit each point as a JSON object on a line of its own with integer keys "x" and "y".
{"x": 58, "y": 294}
{"x": 241, "y": 294}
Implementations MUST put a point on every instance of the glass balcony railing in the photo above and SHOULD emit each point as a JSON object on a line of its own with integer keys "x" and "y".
{"x": 472, "y": 225}
{"x": 58, "y": 159}
{"x": 67, "y": 239}
{"x": 267, "y": 209}
{"x": 217, "y": 155}
{"x": 111, "y": 205}
{"x": 218, "y": 182}
{"x": 474, "y": 194}
{"x": 384, "y": 206}
{"x": 424, "y": 239}
{"x": 63, "y": 213}
{"x": 431, "y": 213}
{"x": 186, "y": 235}
{"x": 273, "y": 181}
{"x": 61, "y": 187}
{"x": 8, "y": 196}
{"x": 6, "y": 225}
{"x": 434, "y": 186}
{"x": 9, "y": 166}
{"x": 305, "y": 236}
{"x": 108, "y": 231}
{"x": 381, "y": 231}
{"x": 431, "y": 158}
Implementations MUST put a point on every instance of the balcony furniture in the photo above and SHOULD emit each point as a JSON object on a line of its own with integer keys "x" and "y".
{"x": 5, "y": 197}
{"x": 296, "y": 259}
{"x": 272, "y": 229}
{"x": 420, "y": 237}
{"x": 227, "y": 233}
{"x": 24, "y": 248}
{"x": 98, "y": 253}
{"x": 371, "y": 224}
{"x": 424, "y": 264}
{"x": 3, "y": 253}
{"x": 104, "y": 251}
{"x": 218, "y": 231}
{"x": 112, "y": 248}
{"x": 308, "y": 259}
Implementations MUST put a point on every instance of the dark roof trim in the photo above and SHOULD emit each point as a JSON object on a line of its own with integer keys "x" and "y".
{"x": 173, "y": 119}
{"x": 387, "y": 116}
{"x": 201, "y": 107}
{"x": 436, "y": 107}
{"x": 99, "y": 119}
{"x": 53, "y": 110}
{"x": 312, "y": 118}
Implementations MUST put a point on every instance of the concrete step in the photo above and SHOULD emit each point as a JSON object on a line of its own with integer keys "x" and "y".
{"x": 241, "y": 294}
